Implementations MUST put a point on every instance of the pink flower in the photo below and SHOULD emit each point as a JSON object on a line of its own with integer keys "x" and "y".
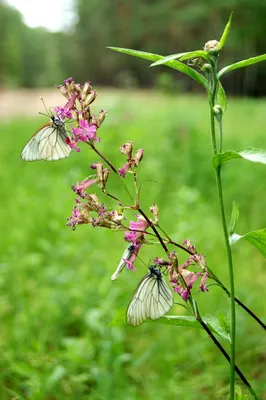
{"x": 63, "y": 112}
{"x": 130, "y": 237}
{"x": 140, "y": 227}
{"x": 76, "y": 218}
{"x": 85, "y": 132}
{"x": 203, "y": 286}
{"x": 72, "y": 145}
{"x": 123, "y": 171}
{"x": 81, "y": 187}
{"x": 185, "y": 295}
{"x": 129, "y": 264}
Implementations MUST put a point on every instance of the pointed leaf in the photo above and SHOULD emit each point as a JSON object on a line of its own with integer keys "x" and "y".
{"x": 196, "y": 54}
{"x": 221, "y": 97}
{"x": 241, "y": 64}
{"x": 225, "y": 33}
{"x": 177, "y": 65}
{"x": 211, "y": 322}
{"x": 223, "y": 322}
{"x": 257, "y": 238}
{"x": 234, "y": 218}
{"x": 222, "y": 331}
{"x": 182, "y": 57}
{"x": 250, "y": 154}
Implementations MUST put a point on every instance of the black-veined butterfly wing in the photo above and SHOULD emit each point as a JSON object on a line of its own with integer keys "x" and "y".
{"x": 127, "y": 254}
{"x": 152, "y": 299}
{"x": 48, "y": 143}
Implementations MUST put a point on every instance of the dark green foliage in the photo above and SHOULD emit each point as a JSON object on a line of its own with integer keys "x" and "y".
{"x": 34, "y": 57}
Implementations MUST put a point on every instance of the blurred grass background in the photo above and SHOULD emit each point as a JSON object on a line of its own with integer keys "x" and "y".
{"x": 57, "y": 298}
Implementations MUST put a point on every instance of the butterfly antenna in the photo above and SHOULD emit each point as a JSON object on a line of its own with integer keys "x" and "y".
{"x": 48, "y": 113}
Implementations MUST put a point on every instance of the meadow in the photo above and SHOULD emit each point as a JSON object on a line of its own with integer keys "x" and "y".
{"x": 57, "y": 301}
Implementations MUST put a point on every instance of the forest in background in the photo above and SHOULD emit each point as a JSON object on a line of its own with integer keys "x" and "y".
{"x": 34, "y": 57}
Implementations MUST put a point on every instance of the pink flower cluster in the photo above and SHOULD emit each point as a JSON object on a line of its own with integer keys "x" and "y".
{"x": 127, "y": 149}
{"x": 137, "y": 230}
{"x": 79, "y": 98}
{"x": 183, "y": 280}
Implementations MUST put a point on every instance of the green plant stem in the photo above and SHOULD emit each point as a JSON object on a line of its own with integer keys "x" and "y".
{"x": 220, "y": 124}
{"x": 196, "y": 313}
{"x": 232, "y": 285}
{"x": 220, "y": 347}
{"x": 221, "y": 285}
{"x": 212, "y": 97}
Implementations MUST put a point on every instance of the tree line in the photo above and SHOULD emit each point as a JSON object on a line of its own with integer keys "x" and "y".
{"x": 32, "y": 57}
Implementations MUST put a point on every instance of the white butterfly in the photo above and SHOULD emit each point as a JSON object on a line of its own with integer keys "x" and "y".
{"x": 48, "y": 143}
{"x": 128, "y": 253}
{"x": 152, "y": 298}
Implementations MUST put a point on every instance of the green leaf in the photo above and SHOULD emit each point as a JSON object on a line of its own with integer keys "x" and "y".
{"x": 217, "y": 327}
{"x": 191, "y": 322}
{"x": 234, "y": 218}
{"x": 257, "y": 238}
{"x": 241, "y": 64}
{"x": 223, "y": 322}
{"x": 225, "y": 33}
{"x": 221, "y": 97}
{"x": 177, "y": 65}
{"x": 182, "y": 57}
{"x": 250, "y": 154}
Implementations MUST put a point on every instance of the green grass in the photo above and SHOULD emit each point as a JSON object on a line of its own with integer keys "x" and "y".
{"x": 57, "y": 299}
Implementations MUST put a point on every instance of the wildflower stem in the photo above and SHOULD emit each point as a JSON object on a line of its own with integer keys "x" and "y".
{"x": 212, "y": 97}
{"x": 180, "y": 246}
{"x": 251, "y": 313}
{"x": 103, "y": 157}
{"x": 154, "y": 230}
{"x": 232, "y": 285}
{"x": 111, "y": 166}
{"x": 223, "y": 351}
{"x": 220, "y": 124}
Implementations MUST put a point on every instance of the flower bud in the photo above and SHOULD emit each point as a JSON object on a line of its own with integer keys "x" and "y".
{"x": 64, "y": 91}
{"x": 127, "y": 150}
{"x": 188, "y": 244}
{"x": 138, "y": 157}
{"x": 70, "y": 85}
{"x": 212, "y": 46}
{"x": 155, "y": 212}
{"x": 90, "y": 98}
{"x": 218, "y": 112}
{"x": 106, "y": 173}
{"x": 99, "y": 169}
{"x": 86, "y": 90}
{"x": 206, "y": 67}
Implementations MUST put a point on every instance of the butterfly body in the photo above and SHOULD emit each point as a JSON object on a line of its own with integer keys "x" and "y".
{"x": 48, "y": 143}
{"x": 151, "y": 300}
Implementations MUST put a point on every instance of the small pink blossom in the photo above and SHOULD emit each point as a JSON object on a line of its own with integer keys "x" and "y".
{"x": 137, "y": 230}
{"x": 81, "y": 187}
{"x": 85, "y": 132}
{"x": 123, "y": 171}
{"x": 76, "y": 218}
{"x": 130, "y": 236}
{"x": 140, "y": 225}
{"x": 203, "y": 286}
{"x": 129, "y": 264}
{"x": 63, "y": 112}
{"x": 72, "y": 144}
